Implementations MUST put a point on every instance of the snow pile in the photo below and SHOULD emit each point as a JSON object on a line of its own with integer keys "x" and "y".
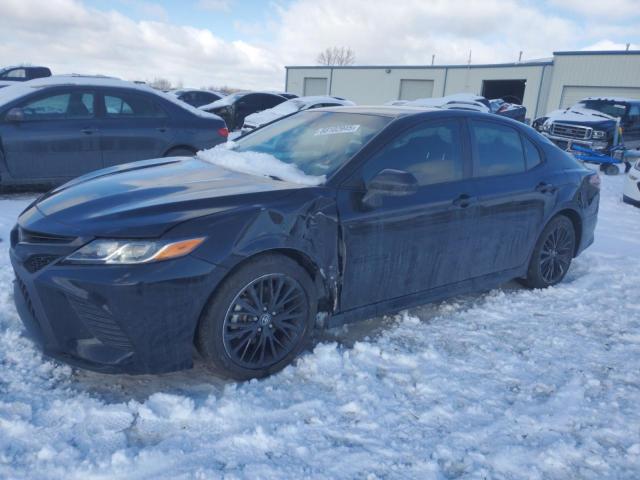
{"x": 256, "y": 163}
{"x": 511, "y": 384}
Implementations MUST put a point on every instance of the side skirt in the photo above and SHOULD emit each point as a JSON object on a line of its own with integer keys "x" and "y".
{"x": 478, "y": 284}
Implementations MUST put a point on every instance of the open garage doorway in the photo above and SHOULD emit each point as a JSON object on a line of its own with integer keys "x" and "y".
{"x": 511, "y": 91}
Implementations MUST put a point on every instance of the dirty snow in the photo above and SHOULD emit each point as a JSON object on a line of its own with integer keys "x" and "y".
{"x": 507, "y": 384}
{"x": 256, "y": 163}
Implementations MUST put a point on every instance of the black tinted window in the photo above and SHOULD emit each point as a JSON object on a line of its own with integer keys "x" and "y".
{"x": 15, "y": 73}
{"x": 430, "y": 151}
{"x": 532, "y": 153}
{"x": 60, "y": 106}
{"x": 497, "y": 149}
{"x": 131, "y": 106}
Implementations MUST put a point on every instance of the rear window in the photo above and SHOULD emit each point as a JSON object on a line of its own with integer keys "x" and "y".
{"x": 131, "y": 106}
{"x": 497, "y": 149}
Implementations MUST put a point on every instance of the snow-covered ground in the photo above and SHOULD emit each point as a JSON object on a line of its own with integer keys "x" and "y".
{"x": 508, "y": 384}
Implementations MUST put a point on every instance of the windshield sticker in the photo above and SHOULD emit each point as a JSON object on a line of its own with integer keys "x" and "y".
{"x": 336, "y": 130}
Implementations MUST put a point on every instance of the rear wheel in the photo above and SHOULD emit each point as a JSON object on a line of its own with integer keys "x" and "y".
{"x": 609, "y": 169}
{"x": 259, "y": 320}
{"x": 552, "y": 254}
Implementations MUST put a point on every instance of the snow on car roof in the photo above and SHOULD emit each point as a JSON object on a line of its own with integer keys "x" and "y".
{"x": 611, "y": 99}
{"x": 321, "y": 99}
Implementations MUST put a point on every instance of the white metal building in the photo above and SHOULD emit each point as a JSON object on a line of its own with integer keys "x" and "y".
{"x": 541, "y": 86}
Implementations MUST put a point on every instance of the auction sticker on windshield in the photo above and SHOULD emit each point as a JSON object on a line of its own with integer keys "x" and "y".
{"x": 336, "y": 129}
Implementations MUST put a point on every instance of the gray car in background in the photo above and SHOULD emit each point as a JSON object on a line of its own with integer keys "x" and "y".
{"x": 56, "y": 128}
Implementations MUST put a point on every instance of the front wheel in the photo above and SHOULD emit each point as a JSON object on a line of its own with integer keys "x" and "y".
{"x": 552, "y": 254}
{"x": 259, "y": 320}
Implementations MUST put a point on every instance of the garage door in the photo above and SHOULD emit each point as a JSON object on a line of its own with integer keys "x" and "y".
{"x": 414, "y": 89}
{"x": 315, "y": 86}
{"x": 572, "y": 95}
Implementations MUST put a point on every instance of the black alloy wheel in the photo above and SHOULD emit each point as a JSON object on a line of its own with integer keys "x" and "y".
{"x": 265, "y": 321}
{"x": 259, "y": 318}
{"x": 552, "y": 254}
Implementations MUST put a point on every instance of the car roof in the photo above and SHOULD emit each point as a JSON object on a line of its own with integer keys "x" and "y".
{"x": 381, "y": 110}
{"x": 612, "y": 99}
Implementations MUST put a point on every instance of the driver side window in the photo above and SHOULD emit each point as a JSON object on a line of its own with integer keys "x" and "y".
{"x": 429, "y": 151}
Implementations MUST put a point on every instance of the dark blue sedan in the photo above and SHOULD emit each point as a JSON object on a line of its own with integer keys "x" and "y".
{"x": 322, "y": 218}
{"x": 56, "y": 128}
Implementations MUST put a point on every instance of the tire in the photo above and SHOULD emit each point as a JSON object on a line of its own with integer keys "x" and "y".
{"x": 180, "y": 152}
{"x": 240, "y": 340}
{"x": 547, "y": 268}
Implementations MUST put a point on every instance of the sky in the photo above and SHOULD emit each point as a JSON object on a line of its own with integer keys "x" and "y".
{"x": 247, "y": 43}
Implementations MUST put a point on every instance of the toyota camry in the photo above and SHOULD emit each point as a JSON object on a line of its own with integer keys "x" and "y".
{"x": 323, "y": 218}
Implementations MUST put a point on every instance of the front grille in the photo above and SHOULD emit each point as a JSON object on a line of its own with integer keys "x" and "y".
{"x": 37, "y": 262}
{"x": 571, "y": 131}
{"x": 100, "y": 323}
{"x": 26, "y": 236}
{"x": 27, "y": 297}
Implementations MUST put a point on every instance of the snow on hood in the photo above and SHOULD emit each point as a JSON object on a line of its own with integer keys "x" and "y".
{"x": 577, "y": 114}
{"x": 257, "y": 163}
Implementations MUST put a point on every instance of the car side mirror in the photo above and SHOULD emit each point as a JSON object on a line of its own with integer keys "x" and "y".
{"x": 389, "y": 183}
{"x": 16, "y": 114}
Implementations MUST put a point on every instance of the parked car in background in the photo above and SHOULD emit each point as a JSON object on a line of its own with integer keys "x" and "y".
{"x": 236, "y": 107}
{"x": 10, "y": 75}
{"x": 599, "y": 123}
{"x": 631, "y": 193}
{"x": 56, "y": 128}
{"x": 469, "y": 101}
{"x": 511, "y": 110}
{"x": 290, "y": 107}
{"x": 347, "y": 212}
{"x": 197, "y": 98}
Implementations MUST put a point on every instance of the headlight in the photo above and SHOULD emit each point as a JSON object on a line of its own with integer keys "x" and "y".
{"x": 598, "y": 134}
{"x": 126, "y": 252}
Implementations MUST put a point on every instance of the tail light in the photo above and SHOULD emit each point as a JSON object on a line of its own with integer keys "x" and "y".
{"x": 223, "y": 132}
{"x": 594, "y": 180}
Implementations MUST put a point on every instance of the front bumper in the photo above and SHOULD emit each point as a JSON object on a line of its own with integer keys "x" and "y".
{"x": 563, "y": 142}
{"x": 114, "y": 319}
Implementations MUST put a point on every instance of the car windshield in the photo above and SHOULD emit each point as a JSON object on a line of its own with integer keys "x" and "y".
{"x": 317, "y": 143}
{"x": 612, "y": 109}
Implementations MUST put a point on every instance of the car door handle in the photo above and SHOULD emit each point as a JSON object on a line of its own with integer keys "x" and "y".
{"x": 88, "y": 131}
{"x": 544, "y": 187}
{"x": 464, "y": 200}
{"x": 162, "y": 129}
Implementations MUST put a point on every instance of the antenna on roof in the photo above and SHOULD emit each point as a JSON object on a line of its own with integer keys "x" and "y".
{"x": 628, "y": 45}
{"x": 520, "y": 57}
{"x": 433, "y": 59}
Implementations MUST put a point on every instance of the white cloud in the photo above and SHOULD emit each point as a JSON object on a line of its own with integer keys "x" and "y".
{"x": 610, "y": 45}
{"x": 70, "y": 36}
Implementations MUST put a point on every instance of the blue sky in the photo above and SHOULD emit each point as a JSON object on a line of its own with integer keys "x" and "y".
{"x": 224, "y": 18}
{"x": 247, "y": 43}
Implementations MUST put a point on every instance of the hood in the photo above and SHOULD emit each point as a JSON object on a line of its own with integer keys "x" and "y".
{"x": 145, "y": 199}
{"x": 581, "y": 116}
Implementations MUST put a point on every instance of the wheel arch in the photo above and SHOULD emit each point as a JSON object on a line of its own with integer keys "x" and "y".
{"x": 576, "y": 220}
{"x": 323, "y": 292}
{"x": 179, "y": 147}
